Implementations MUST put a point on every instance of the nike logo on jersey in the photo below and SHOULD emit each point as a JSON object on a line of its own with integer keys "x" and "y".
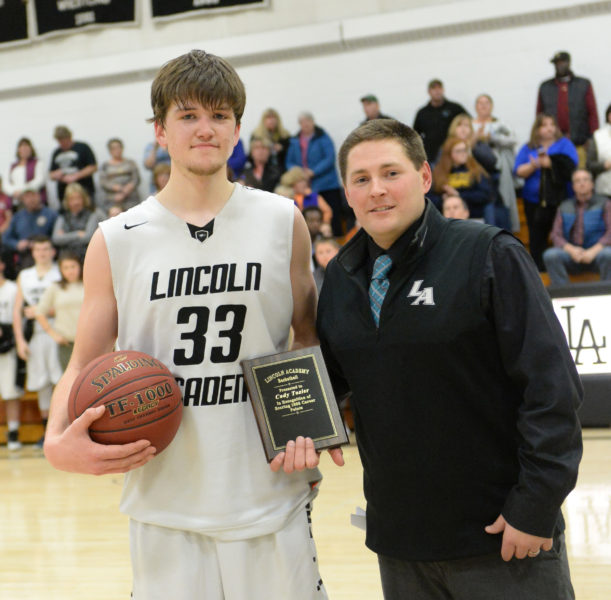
{"x": 422, "y": 296}
{"x": 134, "y": 225}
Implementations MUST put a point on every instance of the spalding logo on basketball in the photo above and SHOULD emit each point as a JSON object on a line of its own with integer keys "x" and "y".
{"x": 141, "y": 396}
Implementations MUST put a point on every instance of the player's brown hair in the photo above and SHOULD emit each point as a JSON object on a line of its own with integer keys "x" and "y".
{"x": 197, "y": 76}
{"x": 383, "y": 129}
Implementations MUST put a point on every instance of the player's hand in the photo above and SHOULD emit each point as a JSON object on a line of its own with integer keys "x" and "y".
{"x": 29, "y": 312}
{"x": 301, "y": 454}
{"x": 517, "y": 543}
{"x": 74, "y": 451}
{"x": 23, "y": 350}
{"x": 58, "y": 338}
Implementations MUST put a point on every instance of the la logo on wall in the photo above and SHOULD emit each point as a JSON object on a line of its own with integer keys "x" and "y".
{"x": 586, "y": 321}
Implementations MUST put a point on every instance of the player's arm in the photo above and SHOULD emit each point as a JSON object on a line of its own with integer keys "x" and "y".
{"x": 303, "y": 286}
{"x": 68, "y": 446}
{"x": 300, "y": 454}
{"x": 23, "y": 350}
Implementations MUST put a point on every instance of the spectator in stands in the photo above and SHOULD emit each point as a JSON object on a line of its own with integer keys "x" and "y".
{"x": 270, "y": 128}
{"x": 113, "y": 211}
{"x": 63, "y": 300}
{"x": 6, "y": 210}
{"x": 371, "y": 108}
{"x": 75, "y": 226}
{"x": 9, "y": 391}
{"x": 316, "y": 226}
{"x": 119, "y": 178}
{"x": 154, "y": 155}
{"x": 324, "y": 250}
{"x": 35, "y": 346}
{"x": 27, "y": 173}
{"x": 161, "y": 175}
{"x": 502, "y": 141}
{"x": 571, "y": 100}
{"x": 433, "y": 120}
{"x": 260, "y": 172}
{"x": 312, "y": 149}
{"x": 454, "y": 207}
{"x": 298, "y": 180}
{"x": 599, "y": 156}
{"x": 72, "y": 162}
{"x": 581, "y": 233}
{"x": 462, "y": 127}
{"x": 237, "y": 161}
{"x": 458, "y": 173}
{"x": 546, "y": 164}
{"x": 32, "y": 220}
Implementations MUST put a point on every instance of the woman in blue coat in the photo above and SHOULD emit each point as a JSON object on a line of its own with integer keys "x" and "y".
{"x": 546, "y": 164}
{"x": 313, "y": 150}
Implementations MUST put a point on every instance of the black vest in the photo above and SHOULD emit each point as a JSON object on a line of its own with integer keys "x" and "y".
{"x": 578, "y": 113}
{"x": 435, "y": 411}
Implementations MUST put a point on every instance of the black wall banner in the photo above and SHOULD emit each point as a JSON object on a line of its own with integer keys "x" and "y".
{"x": 163, "y": 9}
{"x": 71, "y": 15}
{"x": 13, "y": 21}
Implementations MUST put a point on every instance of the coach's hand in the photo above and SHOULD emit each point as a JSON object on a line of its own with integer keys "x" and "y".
{"x": 518, "y": 543}
{"x": 301, "y": 454}
{"x": 74, "y": 451}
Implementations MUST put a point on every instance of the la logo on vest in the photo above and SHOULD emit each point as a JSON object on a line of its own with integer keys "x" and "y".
{"x": 422, "y": 296}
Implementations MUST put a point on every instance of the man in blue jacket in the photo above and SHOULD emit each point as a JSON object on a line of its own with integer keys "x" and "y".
{"x": 312, "y": 149}
{"x": 463, "y": 388}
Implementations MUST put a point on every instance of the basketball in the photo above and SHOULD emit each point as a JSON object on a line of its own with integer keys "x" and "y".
{"x": 141, "y": 396}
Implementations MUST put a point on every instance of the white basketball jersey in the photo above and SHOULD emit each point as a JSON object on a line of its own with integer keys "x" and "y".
{"x": 201, "y": 300}
{"x": 8, "y": 290}
{"x": 33, "y": 287}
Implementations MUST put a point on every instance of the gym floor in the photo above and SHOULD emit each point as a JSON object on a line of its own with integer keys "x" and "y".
{"x": 63, "y": 538}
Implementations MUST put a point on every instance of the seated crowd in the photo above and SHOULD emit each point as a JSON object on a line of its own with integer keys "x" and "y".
{"x": 478, "y": 173}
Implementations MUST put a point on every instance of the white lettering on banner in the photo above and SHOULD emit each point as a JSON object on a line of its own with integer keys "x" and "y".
{"x": 63, "y": 5}
{"x": 84, "y": 18}
{"x": 197, "y": 3}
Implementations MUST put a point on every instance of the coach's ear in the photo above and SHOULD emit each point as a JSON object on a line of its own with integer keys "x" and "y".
{"x": 426, "y": 177}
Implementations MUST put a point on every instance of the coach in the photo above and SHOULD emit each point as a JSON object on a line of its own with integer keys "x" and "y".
{"x": 463, "y": 387}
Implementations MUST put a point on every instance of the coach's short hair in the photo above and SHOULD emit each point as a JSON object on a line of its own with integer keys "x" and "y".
{"x": 383, "y": 129}
{"x": 197, "y": 76}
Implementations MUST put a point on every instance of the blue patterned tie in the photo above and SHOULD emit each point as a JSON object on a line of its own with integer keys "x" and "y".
{"x": 379, "y": 285}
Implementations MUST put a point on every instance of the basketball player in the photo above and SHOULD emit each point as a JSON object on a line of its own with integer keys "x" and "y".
{"x": 9, "y": 391}
{"x": 203, "y": 275}
{"x": 463, "y": 388}
{"x": 40, "y": 352}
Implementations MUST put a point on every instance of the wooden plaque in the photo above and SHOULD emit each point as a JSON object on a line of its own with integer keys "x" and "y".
{"x": 291, "y": 395}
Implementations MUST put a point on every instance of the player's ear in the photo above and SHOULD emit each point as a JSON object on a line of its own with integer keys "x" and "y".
{"x": 160, "y": 134}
